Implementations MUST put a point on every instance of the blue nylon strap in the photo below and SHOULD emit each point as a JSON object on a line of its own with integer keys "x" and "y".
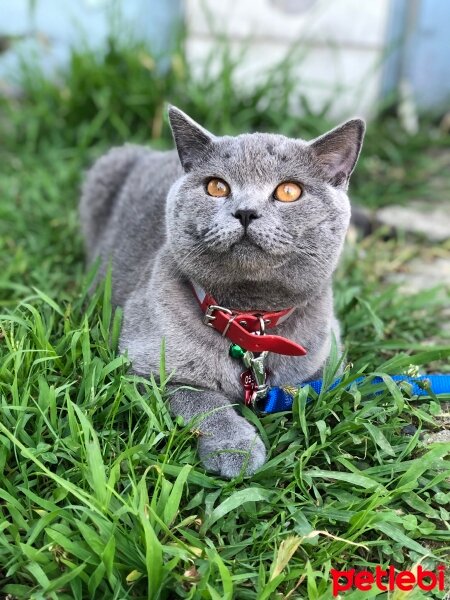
{"x": 278, "y": 399}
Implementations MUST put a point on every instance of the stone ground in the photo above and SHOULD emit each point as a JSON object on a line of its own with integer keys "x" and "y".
{"x": 425, "y": 221}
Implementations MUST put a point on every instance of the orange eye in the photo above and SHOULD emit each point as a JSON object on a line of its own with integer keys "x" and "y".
{"x": 218, "y": 188}
{"x": 288, "y": 191}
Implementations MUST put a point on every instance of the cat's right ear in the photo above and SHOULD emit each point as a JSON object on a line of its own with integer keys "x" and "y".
{"x": 192, "y": 140}
{"x": 337, "y": 151}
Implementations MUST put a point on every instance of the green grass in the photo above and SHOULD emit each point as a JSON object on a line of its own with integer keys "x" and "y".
{"x": 101, "y": 491}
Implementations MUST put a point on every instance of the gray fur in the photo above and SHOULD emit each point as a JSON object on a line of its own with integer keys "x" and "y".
{"x": 149, "y": 212}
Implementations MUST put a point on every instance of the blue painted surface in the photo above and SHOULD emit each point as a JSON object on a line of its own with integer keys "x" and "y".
{"x": 427, "y": 56}
{"x": 55, "y": 25}
{"x": 395, "y": 40}
{"x": 418, "y": 39}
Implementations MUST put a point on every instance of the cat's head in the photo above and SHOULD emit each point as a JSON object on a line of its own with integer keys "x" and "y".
{"x": 260, "y": 207}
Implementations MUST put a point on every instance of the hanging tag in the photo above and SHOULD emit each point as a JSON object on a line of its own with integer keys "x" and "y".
{"x": 253, "y": 390}
{"x": 249, "y": 384}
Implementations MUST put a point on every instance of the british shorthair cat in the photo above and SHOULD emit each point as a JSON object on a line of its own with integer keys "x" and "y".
{"x": 246, "y": 229}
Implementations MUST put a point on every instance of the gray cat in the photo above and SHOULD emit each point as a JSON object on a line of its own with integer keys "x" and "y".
{"x": 258, "y": 221}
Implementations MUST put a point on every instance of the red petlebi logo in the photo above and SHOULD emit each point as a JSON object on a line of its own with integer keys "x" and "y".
{"x": 388, "y": 579}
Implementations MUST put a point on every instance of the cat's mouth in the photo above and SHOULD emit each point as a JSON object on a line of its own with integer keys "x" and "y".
{"x": 250, "y": 245}
{"x": 261, "y": 242}
{"x": 232, "y": 240}
{"x": 246, "y": 242}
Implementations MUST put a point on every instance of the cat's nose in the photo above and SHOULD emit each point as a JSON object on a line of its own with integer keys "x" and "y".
{"x": 245, "y": 216}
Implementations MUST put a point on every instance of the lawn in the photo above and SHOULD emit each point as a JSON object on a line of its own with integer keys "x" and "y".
{"x": 102, "y": 494}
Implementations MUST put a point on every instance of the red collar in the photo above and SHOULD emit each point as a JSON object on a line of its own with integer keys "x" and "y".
{"x": 247, "y": 328}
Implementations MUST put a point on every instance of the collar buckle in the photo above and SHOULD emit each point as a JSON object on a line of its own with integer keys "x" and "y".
{"x": 209, "y": 313}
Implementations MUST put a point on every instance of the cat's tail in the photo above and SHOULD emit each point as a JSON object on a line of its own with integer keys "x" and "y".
{"x": 102, "y": 186}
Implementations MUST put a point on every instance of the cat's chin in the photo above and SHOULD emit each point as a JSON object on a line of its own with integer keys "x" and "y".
{"x": 248, "y": 249}
{"x": 246, "y": 252}
{"x": 249, "y": 257}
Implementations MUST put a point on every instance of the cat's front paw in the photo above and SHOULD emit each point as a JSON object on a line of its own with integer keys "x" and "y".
{"x": 229, "y": 458}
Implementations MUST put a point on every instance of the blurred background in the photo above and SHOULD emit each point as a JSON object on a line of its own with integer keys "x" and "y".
{"x": 81, "y": 75}
{"x": 353, "y": 55}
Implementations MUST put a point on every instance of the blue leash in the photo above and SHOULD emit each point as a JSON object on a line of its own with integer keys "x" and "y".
{"x": 279, "y": 399}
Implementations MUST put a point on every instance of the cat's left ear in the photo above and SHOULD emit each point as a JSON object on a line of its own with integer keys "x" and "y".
{"x": 191, "y": 139}
{"x": 337, "y": 151}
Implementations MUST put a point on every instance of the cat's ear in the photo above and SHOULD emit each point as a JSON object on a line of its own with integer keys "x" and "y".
{"x": 192, "y": 140}
{"x": 337, "y": 151}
